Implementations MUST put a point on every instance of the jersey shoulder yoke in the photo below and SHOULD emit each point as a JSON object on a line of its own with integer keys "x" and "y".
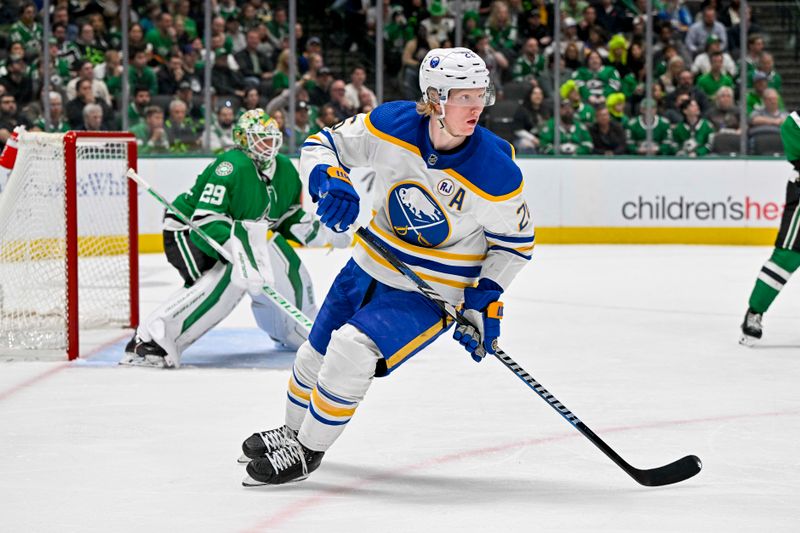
{"x": 397, "y": 123}
{"x": 491, "y": 169}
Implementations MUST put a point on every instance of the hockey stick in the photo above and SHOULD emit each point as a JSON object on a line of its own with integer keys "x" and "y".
{"x": 268, "y": 291}
{"x": 674, "y": 472}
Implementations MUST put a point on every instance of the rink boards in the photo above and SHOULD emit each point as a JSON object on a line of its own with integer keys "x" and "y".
{"x": 589, "y": 200}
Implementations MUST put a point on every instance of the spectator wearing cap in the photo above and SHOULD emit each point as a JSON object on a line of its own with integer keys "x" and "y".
{"x": 318, "y": 95}
{"x": 151, "y": 136}
{"x": 582, "y": 112}
{"x": 225, "y": 80}
{"x": 313, "y": 46}
{"x": 195, "y": 111}
{"x": 569, "y": 36}
{"x": 698, "y": 32}
{"x": 85, "y": 71}
{"x": 353, "y": 90}
{"x": 162, "y": 37}
{"x": 304, "y": 127}
{"x": 17, "y": 82}
{"x": 58, "y": 123}
{"x": 711, "y": 81}
{"x": 575, "y": 139}
{"x": 755, "y": 97}
{"x": 766, "y": 65}
{"x": 191, "y": 69}
{"x": 26, "y": 30}
{"x": 439, "y": 26}
{"x": 254, "y": 65}
{"x": 702, "y": 63}
{"x": 530, "y": 26}
{"x": 181, "y": 131}
{"x": 608, "y": 136}
{"x": 694, "y": 134}
{"x": 222, "y": 129}
{"x": 667, "y": 38}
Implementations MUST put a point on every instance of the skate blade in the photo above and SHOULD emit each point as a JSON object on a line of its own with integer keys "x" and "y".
{"x": 137, "y": 360}
{"x": 243, "y": 459}
{"x": 747, "y": 340}
{"x": 247, "y": 481}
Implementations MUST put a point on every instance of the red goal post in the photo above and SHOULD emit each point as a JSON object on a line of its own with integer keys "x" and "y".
{"x": 68, "y": 243}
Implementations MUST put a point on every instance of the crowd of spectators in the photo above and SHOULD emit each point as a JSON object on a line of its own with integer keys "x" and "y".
{"x": 603, "y": 108}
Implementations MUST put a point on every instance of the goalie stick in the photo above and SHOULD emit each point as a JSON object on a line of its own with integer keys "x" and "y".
{"x": 674, "y": 472}
{"x": 285, "y": 305}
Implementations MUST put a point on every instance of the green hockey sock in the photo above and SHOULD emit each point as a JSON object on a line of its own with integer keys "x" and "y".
{"x": 773, "y": 276}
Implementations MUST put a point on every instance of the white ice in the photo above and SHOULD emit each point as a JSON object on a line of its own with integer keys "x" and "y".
{"x": 640, "y": 342}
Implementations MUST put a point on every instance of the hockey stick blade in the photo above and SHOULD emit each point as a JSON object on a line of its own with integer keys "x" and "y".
{"x": 674, "y": 472}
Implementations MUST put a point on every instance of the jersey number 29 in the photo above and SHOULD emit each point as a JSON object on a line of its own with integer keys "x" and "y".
{"x": 213, "y": 194}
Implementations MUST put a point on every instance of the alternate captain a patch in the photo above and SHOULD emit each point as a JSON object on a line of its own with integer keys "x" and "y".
{"x": 416, "y": 217}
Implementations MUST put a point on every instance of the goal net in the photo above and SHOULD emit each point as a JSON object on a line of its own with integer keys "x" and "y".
{"x": 68, "y": 242}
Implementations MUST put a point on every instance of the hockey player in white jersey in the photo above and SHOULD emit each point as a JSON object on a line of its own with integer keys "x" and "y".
{"x": 449, "y": 202}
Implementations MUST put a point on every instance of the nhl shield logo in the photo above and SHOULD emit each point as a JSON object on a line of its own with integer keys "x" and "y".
{"x": 416, "y": 217}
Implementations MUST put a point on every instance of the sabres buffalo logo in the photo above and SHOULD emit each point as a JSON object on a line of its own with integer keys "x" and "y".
{"x": 416, "y": 217}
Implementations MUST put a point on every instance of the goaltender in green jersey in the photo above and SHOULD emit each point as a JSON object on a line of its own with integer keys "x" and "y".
{"x": 248, "y": 197}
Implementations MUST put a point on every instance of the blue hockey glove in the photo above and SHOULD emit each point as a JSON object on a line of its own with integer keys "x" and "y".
{"x": 338, "y": 200}
{"x": 484, "y": 312}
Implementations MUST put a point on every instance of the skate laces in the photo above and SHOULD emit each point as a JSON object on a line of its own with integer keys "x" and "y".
{"x": 754, "y": 320}
{"x": 286, "y": 457}
{"x": 276, "y": 438}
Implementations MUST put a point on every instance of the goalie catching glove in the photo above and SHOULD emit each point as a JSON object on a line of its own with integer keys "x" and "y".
{"x": 248, "y": 246}
{"x": 483, "y": 312}
{"x": 338, "y": 200}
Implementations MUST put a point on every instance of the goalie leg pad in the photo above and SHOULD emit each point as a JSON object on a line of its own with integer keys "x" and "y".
{"x": 190, "y": 312}
{"x": 291, "y": 279}
{"x": 345, "y": 376}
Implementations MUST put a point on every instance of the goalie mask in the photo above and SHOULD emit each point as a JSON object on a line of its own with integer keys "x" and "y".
{"x": 259, "y": 135}
{"x": 444, "y": 69}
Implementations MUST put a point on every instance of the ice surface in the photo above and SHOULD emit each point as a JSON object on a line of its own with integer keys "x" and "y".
{"x": 639, "y": 342}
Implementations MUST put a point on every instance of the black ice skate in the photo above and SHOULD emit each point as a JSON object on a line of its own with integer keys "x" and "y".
{"x": 260, "y": 444}
{"x": 751, "y": 328}
{"x": 143, "y": 353}
{"x": 293, "y": 462}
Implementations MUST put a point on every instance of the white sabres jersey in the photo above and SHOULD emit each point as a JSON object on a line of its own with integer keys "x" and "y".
{"x": 454, "y": 217}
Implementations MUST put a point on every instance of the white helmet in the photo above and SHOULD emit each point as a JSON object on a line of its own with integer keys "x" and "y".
{"x": 453, "y": 68}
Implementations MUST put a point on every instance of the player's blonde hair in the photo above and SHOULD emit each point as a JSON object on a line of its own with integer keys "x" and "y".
{"x": 428, "y": 108}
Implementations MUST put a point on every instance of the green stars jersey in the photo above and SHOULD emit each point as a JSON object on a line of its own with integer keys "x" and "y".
{"x": 636, "y": 135}
{"x": 693, "y": 140}
{"x": 601, "y": 83}
{"x": 30, "y": 37}
{"x": 575, "y": 139}
{"x": 790, "y": 135}
{"x": 525, "y": 69}
{"x": 231, "y": 189}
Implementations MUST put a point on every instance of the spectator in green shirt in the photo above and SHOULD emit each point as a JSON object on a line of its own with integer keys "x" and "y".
{"x": 711, "y": 81}
{"x": 162, "y": 37}
{"x": 26, "y": 30}
{"x": 151, "y": 137}
{"x": 138, "y": 108}
{"x": 58, "y": 123}
{"x": 139, "y": 74}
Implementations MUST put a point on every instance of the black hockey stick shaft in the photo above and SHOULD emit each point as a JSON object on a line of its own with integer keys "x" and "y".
{"x": 674, "y": 472}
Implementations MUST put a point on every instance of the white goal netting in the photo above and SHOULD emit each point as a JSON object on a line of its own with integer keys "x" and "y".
{"x": 34, "y": 313}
